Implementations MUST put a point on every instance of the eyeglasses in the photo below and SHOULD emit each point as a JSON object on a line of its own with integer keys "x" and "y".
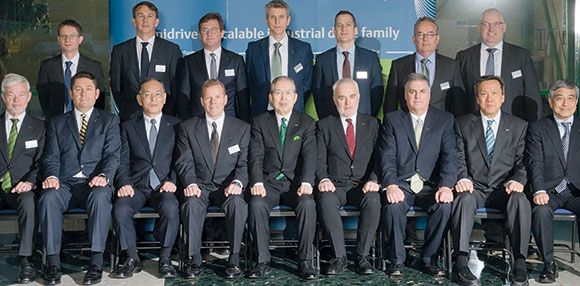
{"x": 423, "y": 36}
{"x": 150, "y": 95}
{"x": 72, "y": 37}
{"x": 488, "y": 24}
{"x": 213, "y": 30}
{"x": 279, "y": 92}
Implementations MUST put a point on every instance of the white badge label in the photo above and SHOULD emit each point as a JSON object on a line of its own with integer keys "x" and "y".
{"x": 445, "y": 85}
{"x": 159, "y": 68}
{"x": 230, "y": 72}
{"x": 298, "y": 68}
{"x": 516, "y": 74}
{"x": 31, "y": 144}
{"x": 234, "y": 149}
{"x": 362, "y": 75}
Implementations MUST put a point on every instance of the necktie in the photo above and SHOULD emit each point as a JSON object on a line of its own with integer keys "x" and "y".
{"x": 416, "y": 181}
{"x": 350, "y": 137}
{"x": 424, "y": 69}
{"x": 153, "y": 179}
{"x": 490, "y": 65}
{"x": 84, "y": 125}
{"x": 144, "y": 61}
{"x": 345, "y": 66}
{"x": 67, "y": 78}
{"x": 7, "y": 178}
{"x": 418, "y": 131}
{"x": 213, "y": 67}
{"x": 276, "y": 65}
{"x": 215, "y": 142}
{"x": 283, "y": 128}
{"x": 489, "y": 140}
{"x": 565, "y": 144}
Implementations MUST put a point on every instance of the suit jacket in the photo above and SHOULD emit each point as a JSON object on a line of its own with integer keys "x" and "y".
{"x": 136, "y": 159}
{"x": 435, "y": 160}
{"x": 195, "y": 165}
{"x": 258, "y": 66}
{"x": 522, "y": 92}
{"x": 268, "y": 159}
{"x": 370, "y": 86}
{"x": 334, "y": 159}
{"x": 545, "y": 157}
{"x": 27, "y": 151}
{"x": 508, "y": 156}
{"x": 192, "y": 73}
{"x": 125, "y": 76}
{"x": 447, "y": 91}
{"x": 64, "y": 156}
{"x": 51, "y": 88}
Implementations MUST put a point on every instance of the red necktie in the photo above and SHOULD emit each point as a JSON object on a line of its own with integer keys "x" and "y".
{"x": 350, "y": 137}
{"x": 345, "y": 66}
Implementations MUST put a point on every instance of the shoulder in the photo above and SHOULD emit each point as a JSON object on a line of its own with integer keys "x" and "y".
{"x": 35, "y": 121}
{"x": 124, "y": 44}
{"x": 441, "y": 59}
{"x": 371, "y": 120}
{"x": 50, "y": 60}
{"x": 365, "y": 52}
{"x": 254, "y": 44}
{"x": 165, "y": 43}
{"x": 236, "y": 122}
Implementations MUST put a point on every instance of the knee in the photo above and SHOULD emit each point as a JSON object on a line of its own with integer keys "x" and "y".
{"x": 100, "y": 196}
{"x": 327, "y": 200}
{"x": 258, "y": 204}
{"x": 519, "y": 199}
{"x": 394, "y": 210}
{"x": 26, "y": 202}
{"x": 235, "y": 201}
{"x": 121, "y": 211}
{"x": 465, "y": 199}
{"x": 372, "y": 201}
{"x": 543, "y": 211}
{"x": 47, "y": 198}
{"x": 306, "y": 202}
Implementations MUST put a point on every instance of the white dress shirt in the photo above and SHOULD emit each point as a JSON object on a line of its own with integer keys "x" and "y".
{"x": 220, "y": 125}
{"x": 345, "y": 124}
{"x": 79, "y": 119}
{"x": 147, "y": 120}
{"x": 494, "y": 125}
{"x": 283, "y": 53}
{"x": 139, "y": 47}
{"x": 8, "y": 123}
{"x": 218, "y": 53}
{"x": 414, "y": 118}
{"x": 73, "y": 66}
{"x": 497, "y": 56}
{"x": 340, "y": 60}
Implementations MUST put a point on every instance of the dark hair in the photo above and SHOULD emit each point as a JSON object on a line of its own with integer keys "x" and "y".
{"x": 83, "y": 74}
{"x": 149, "y": 5}
{"x": 345, "y": 12}
{"x": 72, "y": 23}
{"x": 211, "y": 16}
{"x": 148, "y": 79}
{"x": 486, "y": 78}
{"x": 425, "y": 19}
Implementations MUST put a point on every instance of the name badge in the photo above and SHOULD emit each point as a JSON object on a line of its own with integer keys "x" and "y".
{"x": 362, "y": 75}
{"x": 234, "y": 149}
{"x": 445, "y": 85}
{"x": 298, "y": 68}
{"x": 516, "y": 74}
{"x": 230, "y": 72}
{"x": 159, "y": 68}
{"x": 31, "y": 144}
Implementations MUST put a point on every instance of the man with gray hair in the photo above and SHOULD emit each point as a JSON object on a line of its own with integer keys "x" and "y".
{"x": 20, "y": 153}
{"x": 552, "y": 159}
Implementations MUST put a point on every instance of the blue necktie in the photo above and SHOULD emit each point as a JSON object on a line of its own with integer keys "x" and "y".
{"x": 67, "y": 78}
{"x": 565, "y": 144}
{"x": 153, "y": 179}
{"x": 144, "y": 61}
{"x": 489, "y": 140}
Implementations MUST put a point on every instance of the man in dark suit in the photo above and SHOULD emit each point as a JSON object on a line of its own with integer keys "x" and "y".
{"x": 347, "y": 60}
{"x": 19, "y": 161}
{"x": 447, "y": 92}
{"x": 282, "y": 148}
{"x": 138, "y": 58}
{"x": 79, "y": 162}
{"x": 492, "y": 173}
{"x": 278, "y": 55}
{"x": 418, "y": 161}
{"x": 346, "y": 174}
{"x": 510, "y": 62}
{"x": 215, "y": 62}
{"x": 552, "y": 158}
{"x": 212, "y": 165}
{"x": 54, "y": 76}
{"x": 145, "y": 175}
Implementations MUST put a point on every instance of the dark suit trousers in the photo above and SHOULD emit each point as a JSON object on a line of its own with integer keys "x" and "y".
{"x": 543, "y": 217}
{"x": 281, "y": 193}
{"x": 516, "y": 207}
{"x": 369, "y": 205}
{"x": 394, "y": 218}
{"x": 27, "y": 225}
{"x": 194, "y": 210}
{"x": 75, "y": 193}
{"x": 164, "y": 203}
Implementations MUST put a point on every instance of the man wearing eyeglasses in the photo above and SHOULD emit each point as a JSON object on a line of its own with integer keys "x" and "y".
{"x": 212, "y": 62}
{"x": 512, "y": 63}
{"x": 347, "y": 60}
{"x": 55, "y": 74}
{"x": 447, "y": 91}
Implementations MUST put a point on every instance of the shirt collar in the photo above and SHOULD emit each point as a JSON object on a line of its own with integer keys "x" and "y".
{"x": 558, "y": 120}
{"x": 353, "y": 118}
{"x": 217, "y": 52}
{"x": 498, "y": 46}
{"x": 350, "y": 50}
{"x": 419, "y": 57}
{"x": 157, "y": 118}
{"x": 218, "y": 121}
{"x": 20, "y": 117}
{"x": 88, "y": 113}
{"x": 151, "y": 40}
{"x": 495, "y": 118}
{"x": 74, "y": 60}
{"x": 284, "y": 40}
{"x": 414, "y": 116}
{"x": 279, "y": 118}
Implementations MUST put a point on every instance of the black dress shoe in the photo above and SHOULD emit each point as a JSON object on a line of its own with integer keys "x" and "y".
{"x": 93, "y": 275}
{"x": 463, "y": 276}
{"x": 363, "y": 266}
{"x": 52, "y": 275}
{"x": 337, "y": 266}
{"x": 261, "y": 270}
{"x": 433, "y": 270}
{"x": 307, "y": 271}
{"x": 520, "y": 273}
{"x": 233, "y": 272}
{"x": 191, "y": 270}
{"x": 126, "y": 270}
{"x": 27, "y": 273}
{"x": 550, "y": 272}
{"x": 166, "y": 269}
{"x": 395, "y": 269}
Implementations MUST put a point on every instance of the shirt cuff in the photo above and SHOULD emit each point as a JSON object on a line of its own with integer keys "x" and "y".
{"x": 306, "y": 184}
{"x": 508, "y": 182}
{"x": 259, "y": 184}
{"x": 465, "y": 180}
{"x": 540, "y": 192}
{"x": 324, "y": 180}
{"x": 191, "y": 185}
{"x": 239, "y": 182}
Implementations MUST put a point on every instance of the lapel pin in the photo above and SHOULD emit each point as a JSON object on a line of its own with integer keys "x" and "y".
{"x": 295, "y": 124}
{"x": 507, "y": 130}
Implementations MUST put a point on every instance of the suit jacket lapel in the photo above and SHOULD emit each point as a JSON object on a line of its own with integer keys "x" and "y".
{"x": 224, "y": 61}
{"x": 18, "y": 145}
{"x": 225, "y": 142}
{"x": 156, "y": 55}
{"x": 427, "y": 126}
{"x": 554, "y": 134}
{"x": 475, "y": 57}
{"x": 292, "y": 62}
{"x": 479, "y": 135}
{"x": 439, "y": 71}
{"x": 339, "y": 130}
{"x": 503, "y": 132}
{"x": 3, "y": 140}
{"x": 57, "y": 67}
{"x": 361, "y": 132}
{"x": 133, "y": 61}
{"x": 574, "y": 139}
{"x": 333, "y": 67}
{"x": 82, "y": 63}
{"x": 408, "y": 127}
{"x": 92, "y": 122}
{"x": 164, "y": 132}
{"x": 272, "y": 125}
{"x": 200, "y": 61}
{"x": 202, "y": 138}
{"x": 266, "y": 57}
{"x": 141, "y": 132}
{"x": 73, "y": 127}
{"x": 293, "y": 126}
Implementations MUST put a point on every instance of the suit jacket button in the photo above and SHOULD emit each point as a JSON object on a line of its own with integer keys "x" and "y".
{"x": 9, "y": 167}
{"x": 82, "y": 166}
{"x": 352, "y": 167}
{"x": 154, "y": 163}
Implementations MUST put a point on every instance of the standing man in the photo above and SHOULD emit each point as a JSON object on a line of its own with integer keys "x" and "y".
{"x": 553, "y": 160}
{"x": 447, "y": 92}
{"x": 212, "y": 165}
{"x": 282, "y": 148}
{"x": 20, "y": 158}
{"x": 278, "y": 55}
{"x": 346, "y": 174}
{"x": 141, "y": 57}
{"x": 512, "y": 63}
{"x": 145, "y": 175}
{"x": 78, "y": 164}
{"x": 347, "y": 60}
{"x": 213, "y": 62}
{"x": 54, "y": 76}
{"x": 418, "y": 161}
{"x": 492, "y": 173}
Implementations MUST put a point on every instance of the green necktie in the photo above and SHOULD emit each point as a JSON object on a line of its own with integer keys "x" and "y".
{"x": 283, "y": 128}
{"x": 416, "y": 180}
{"x": 276, "y": 65}
{"x": 7, "y": 178}
{"x": 424, "y": 69}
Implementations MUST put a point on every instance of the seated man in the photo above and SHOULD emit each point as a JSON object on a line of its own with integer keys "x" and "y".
{"x": 212, "y": 164}
{"x": 553, "y": 159}
{"x": 418, "y": 161}
{"x": 145, "y": 176}
{"x": 346, "y": 175}
{"x": 282, "y": 150}
{"x": 492, "y": 173}
{"x": 19, "y": 164}
{"x": 79, "y": 161}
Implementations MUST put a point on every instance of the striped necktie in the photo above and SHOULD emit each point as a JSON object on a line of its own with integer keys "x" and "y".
{"x": 565, "y": 145}
{"x": 490, "y": 140}
{"x": 283, "y": 128}
{"x": 7, "y": 178}
{"x": 83, "y": 128}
